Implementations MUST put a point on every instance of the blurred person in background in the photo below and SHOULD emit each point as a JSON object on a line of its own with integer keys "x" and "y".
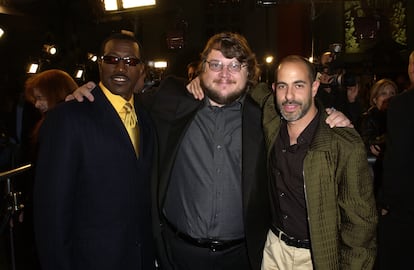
{"x": 348, "y": 100}
{"x": 45, "y": 90}
{"x": 373, "y": 126}
{"x": 396, "y": 222}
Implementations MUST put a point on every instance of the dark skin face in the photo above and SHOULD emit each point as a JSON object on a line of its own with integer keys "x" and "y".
{"x": 120, "y": 78}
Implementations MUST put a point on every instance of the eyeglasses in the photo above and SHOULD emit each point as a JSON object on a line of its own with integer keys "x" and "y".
{"x": 114, "y": 60}
{"x": 218, "y": 66}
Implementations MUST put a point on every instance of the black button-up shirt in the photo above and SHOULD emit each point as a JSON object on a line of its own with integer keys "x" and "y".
{"x": 287, "y": 184}
{"x": 204, "y": 197}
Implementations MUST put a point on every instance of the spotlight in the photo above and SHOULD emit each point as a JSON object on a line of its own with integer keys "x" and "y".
{"x": 267, "y": 3}
{"x": 92, "y": 57}
{"x": 117, "y": 5}
{"x": 50, "y": 49}
{"x": 269, "y": 59}
{"x": 160, "y": 64}
{"x": 79, "y": 73}
{"x": 157, "y": 69}
{"x": 1, "y": 32}
{"x": 33, "y": 68}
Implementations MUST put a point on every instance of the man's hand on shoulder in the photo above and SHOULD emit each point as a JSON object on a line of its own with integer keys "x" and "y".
{"x": 195, "y": 89}
{"x": 337, "y": 119}
{"x": 82, "y": 92}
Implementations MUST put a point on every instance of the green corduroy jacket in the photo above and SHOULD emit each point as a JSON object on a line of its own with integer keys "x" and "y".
{"x": 339, "y": 194}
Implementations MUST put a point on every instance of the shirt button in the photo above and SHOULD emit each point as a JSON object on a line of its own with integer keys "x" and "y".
{"x": 282, "y": 194}
{"x": 219, "y": 147}
{"x": 283, "y": 150}
{"x": 285, "y": 216}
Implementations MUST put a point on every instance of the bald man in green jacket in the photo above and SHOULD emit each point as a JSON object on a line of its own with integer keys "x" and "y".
{"x": 323, "y": 208}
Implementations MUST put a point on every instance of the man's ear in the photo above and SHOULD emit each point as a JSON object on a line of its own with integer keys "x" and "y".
{"x": 141, "y": 71}
{"x": 315, "y": 86}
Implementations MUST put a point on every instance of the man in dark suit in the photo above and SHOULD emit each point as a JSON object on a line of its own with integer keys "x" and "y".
{"x": 396, "y": 222}
{"x": 92, "y": 187}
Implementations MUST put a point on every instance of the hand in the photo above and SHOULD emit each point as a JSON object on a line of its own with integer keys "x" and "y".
{"x": 81, "y": 92}
{"x": 375, "y": 149}
{"x": 195, "y": 89}
{"x": 337, "y": 119}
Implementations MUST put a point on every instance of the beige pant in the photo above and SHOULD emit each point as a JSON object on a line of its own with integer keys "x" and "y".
{"x": 279, "y": 256}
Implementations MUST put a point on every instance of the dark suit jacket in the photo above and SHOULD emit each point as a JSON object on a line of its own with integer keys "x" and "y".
{"x": 92, "y": 195}
{"x": 398, "y": 183}
{"x": 172, "y": 112}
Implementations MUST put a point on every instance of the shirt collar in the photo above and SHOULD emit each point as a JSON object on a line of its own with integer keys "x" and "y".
{"x": 308, "y": 133}
{"x": 236, "y": 105}
{"x": 116, "y": 100}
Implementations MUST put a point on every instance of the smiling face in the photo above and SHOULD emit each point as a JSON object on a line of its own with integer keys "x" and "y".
{"x": 295, "y": 92}
{"x": 120, "y": 78}
{"x": 223, "y": 87}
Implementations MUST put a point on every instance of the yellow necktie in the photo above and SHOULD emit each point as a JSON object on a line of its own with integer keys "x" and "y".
{"x": 131, "y": 124}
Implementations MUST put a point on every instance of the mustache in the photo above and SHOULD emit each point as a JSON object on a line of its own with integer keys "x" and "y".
{"x": 224, "y": 81}
{"x": 291, "y": 102}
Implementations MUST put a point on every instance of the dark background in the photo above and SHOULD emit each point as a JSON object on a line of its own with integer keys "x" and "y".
{"x": 76, "y": 27}
{"x": 284, "y": 27}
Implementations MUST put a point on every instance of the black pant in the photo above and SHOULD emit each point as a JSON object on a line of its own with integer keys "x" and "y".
{"x": 395, "y": 240}
{"x": 185, "y": 256}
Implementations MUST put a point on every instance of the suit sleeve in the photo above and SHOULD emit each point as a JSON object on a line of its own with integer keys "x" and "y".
{"x": 54, "y": 191}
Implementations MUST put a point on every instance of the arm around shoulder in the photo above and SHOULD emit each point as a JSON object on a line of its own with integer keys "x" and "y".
{"x": 260, "y": 93}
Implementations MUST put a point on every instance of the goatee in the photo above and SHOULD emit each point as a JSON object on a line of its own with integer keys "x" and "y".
{"x": 220, "y": 99}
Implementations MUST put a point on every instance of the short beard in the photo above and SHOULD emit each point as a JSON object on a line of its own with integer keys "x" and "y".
{"x": 294, "y": 117}
{"x": 219, "y": 99}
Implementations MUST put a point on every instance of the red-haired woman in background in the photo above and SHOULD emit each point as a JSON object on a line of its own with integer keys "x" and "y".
{"x": 47, "y": 89}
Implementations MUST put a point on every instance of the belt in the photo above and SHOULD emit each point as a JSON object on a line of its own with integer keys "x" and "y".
{"x": 212, "y": 244}
{"x": 289, "y": 240}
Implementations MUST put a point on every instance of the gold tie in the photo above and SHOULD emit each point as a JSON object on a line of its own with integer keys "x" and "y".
{"x": 131, "y": 124}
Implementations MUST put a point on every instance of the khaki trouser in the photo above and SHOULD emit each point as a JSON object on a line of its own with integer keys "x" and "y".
{"x": 279, "y": 256}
